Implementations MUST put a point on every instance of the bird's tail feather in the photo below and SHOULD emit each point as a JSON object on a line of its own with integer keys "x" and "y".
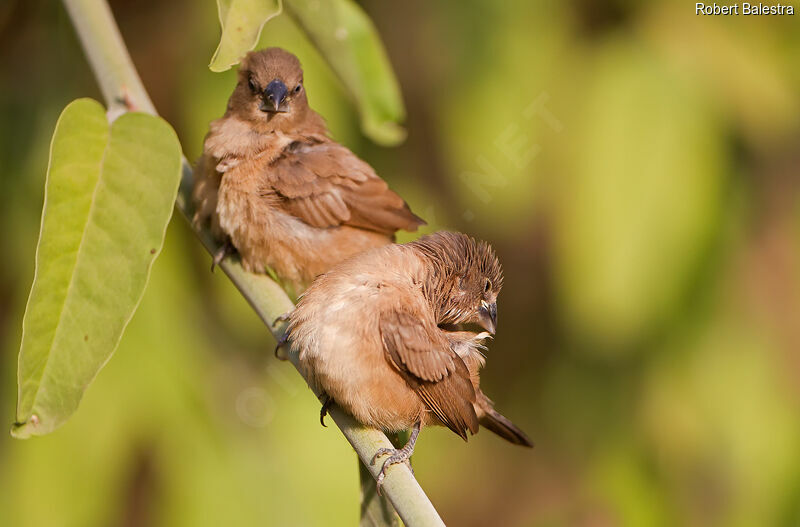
{"x": 500, "y": 424}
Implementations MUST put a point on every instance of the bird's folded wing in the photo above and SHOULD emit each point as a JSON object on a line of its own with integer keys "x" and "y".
{"x": 326, "y": 185}
{"x": 438, "y": 375}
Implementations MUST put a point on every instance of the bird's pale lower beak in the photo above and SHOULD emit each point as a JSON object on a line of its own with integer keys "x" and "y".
{"x": 487, "y": 316}
{"x": 275, "y": 98}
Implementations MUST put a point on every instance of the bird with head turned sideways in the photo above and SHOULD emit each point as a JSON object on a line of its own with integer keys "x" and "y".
{"x": 276, "y": 187}
{"x": 386, "y": 335}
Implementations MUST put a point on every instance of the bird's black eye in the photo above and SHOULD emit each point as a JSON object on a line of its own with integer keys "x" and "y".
{"x": 253, "y": 85}
{"x": 487, "y": 286}
{"x": 298, "y": 88}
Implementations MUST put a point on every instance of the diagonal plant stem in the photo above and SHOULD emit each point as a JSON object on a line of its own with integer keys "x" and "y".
{"x": 122, "y": 90}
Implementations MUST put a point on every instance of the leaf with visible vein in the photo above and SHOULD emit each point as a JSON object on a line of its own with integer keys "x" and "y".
{"x": 348, "y": 40}
{"x": 242, "y": 22}
{"x": 108, "y": 198}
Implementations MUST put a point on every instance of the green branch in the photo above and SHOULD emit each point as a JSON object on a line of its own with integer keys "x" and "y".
{"x": 122, "y": 89}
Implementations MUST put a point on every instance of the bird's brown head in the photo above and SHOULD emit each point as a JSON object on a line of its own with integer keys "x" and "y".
{"x": 270, "y": 92}
{"x": 463, "y": 280}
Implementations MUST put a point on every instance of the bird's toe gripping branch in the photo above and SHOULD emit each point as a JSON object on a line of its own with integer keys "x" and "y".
{"x": 324, "y": 410}
{"x": 280, "y": 344}
{"x": 396, "y": 455}
{"x": 284, "y": 340}
{"x": 225, "y": 250}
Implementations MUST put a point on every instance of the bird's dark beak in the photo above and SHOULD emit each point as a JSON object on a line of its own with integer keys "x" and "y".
{"x": 275, "y": 98}
{"x": 487, "y": 316}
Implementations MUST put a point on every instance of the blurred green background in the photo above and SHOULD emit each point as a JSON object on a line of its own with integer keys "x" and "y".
{"x": 635, "y": 166}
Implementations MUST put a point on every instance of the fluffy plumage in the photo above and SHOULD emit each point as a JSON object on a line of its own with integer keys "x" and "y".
{"x": 286, "y": 195}
{"x": 373, "y": 334}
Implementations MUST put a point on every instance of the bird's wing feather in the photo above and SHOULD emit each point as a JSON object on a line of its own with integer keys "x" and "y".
{"x": 434, "y": 371}
{"x": 326, "y": 185}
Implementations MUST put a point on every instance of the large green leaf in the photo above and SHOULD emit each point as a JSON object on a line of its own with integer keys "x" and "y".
{"x": 108, "y": 198}
{"x": 241, "y": 21}
{"x": 345, "y": 36}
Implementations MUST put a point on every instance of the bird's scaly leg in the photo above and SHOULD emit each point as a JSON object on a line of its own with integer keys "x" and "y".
{"x": 396, "y": 455}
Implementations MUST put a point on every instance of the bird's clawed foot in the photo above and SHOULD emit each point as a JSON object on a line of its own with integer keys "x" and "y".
{"x": 224, "y": 251}
{"x": 324, "y": 410}
{"x": 283, "y": 318}
{"x": 284, "y": 338}
{"x": 280, "y": 344}
{"x": 396, "y": 455}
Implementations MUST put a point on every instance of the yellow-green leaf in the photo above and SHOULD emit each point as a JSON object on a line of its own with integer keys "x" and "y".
{"x": 108, "y": 198}
{"x": 345, "y": 36}
{"x": 241, "y": 21}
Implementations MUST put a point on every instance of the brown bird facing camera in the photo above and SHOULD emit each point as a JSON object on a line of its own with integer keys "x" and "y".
{"x": 284, "y": 194}
{"x": 379, "y": 335}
